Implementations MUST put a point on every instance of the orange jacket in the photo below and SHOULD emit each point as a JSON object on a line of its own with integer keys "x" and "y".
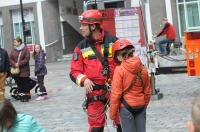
{"x": 122, "y": 79}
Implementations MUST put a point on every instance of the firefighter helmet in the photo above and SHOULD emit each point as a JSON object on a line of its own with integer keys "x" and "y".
{"x": 91, "y": 17}
{"x": 119, "y": 45}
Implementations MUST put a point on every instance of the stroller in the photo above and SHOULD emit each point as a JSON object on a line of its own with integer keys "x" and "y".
{"x": 32, "y": 83}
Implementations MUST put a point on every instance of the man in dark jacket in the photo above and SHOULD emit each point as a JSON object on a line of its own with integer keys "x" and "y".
{"x": 4, "y": 71}
{"x": 170, "y": 34}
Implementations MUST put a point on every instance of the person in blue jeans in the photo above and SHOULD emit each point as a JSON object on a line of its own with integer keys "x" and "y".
{"x": 11, "y": 121}
{"x": 169, "y": 31}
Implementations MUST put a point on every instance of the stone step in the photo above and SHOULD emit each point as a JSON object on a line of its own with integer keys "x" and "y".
{"x": 66, "y": 57}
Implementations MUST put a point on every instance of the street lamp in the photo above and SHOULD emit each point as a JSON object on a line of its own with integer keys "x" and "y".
{"x": 23, "y": 22}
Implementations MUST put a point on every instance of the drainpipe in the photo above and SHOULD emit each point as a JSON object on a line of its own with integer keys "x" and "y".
{"x": 23, "y": 22}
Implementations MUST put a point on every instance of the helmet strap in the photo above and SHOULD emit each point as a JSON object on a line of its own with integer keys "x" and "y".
{"x": 91, "y": 31}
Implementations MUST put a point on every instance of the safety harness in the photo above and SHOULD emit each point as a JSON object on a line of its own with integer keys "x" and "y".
{"x": 105, "y": 71}
{"x": 132, "y": 110}
{"x": 103, "y": 60}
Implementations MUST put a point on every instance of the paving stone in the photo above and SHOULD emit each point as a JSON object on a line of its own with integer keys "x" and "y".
{"x": 62, "y": 112}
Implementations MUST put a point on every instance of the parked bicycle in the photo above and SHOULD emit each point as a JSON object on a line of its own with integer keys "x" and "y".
{"x": 176, "y": 49}
{"x": 172, "y": 49}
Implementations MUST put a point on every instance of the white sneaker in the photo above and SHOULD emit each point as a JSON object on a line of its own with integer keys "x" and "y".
{"x": 46, "y": 96}
{"x": 40, "y": 98}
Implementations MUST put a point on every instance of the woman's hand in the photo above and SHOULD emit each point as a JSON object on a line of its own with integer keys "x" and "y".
{"x": 16, "y": 65}
{"x": 88, "y": 85}
{"x": 114, "y": 124}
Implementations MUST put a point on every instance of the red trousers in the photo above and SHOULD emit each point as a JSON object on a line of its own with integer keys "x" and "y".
{"x": 97, "y": 111}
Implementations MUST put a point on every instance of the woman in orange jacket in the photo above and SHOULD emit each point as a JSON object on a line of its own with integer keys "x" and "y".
{"x": 131, "y": 89}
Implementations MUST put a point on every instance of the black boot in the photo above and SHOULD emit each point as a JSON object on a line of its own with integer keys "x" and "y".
{"x": 119, "y": 128}
{"x": 22, "y": 98}
{"x": 97, "y": 129}
{"x": 26, "y": 98}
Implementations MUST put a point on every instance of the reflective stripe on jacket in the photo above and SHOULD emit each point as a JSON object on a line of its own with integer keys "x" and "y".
{"x": 85, "y": 64}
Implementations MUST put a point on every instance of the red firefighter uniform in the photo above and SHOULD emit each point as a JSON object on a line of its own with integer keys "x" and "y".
{"x": 84, "y": 65}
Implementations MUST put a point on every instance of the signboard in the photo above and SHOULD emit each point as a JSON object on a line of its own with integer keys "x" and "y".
{"x": 30, "y": 47}
{"x": 127, "y": 23}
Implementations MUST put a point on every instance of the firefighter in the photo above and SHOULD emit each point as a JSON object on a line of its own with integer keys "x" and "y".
{"x": 92, "y": 66}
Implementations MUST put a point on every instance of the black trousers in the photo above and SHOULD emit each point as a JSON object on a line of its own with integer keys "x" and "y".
{"x": 41, "y": 85}
{"x": 23, "y": 86}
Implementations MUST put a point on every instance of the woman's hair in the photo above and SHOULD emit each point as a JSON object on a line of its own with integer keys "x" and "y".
{"x": 7, "y": 112}
{"x": 34, "y": 53}
{"x": 126, "y": 52}
{"x": 18, "y": 39}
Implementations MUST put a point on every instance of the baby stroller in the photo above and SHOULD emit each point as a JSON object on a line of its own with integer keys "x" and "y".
{"x": 33, "y": 83}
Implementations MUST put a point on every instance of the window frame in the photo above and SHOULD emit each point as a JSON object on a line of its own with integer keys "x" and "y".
{"x": 187, "y": 28}
{"x": 30, "y": 20}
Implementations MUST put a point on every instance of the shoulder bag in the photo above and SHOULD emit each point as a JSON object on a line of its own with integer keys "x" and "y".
{"x": 16, "y": 70}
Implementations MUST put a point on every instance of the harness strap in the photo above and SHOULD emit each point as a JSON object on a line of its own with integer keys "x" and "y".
{"x": 103, "y": 60}
{"x": 95, "y": 98}
{"x": 131, "y": 110}
{"x": 98, "y": 87}
{"x": 138, "y": 76}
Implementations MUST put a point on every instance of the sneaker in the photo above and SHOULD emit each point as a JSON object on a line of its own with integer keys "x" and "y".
{"x": 40, "y": 98}
{"x": 162, "y": 54}
{"x": 46, "y": 96}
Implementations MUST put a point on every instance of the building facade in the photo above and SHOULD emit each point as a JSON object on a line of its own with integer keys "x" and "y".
{"x": 54, "y": 23}
{"x": 42, "y": 20}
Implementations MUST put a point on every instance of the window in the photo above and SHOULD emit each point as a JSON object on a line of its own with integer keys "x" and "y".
{"x": 189, "y": 0}
{"x": 189, "y": 16}
{"x": 1, "y": 32}
{"x": 182, "y": 19}
{"x": 111, "y": 4}
{"x": 29, "y": 22}
{"x": 193, "y": 15}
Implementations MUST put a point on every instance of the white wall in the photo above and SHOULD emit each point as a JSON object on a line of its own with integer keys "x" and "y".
{"x": 1, "y": 21}
{"x": 135, "y": 3}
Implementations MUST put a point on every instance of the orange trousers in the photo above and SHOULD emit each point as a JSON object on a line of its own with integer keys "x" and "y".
{"x": 2, "y": 85}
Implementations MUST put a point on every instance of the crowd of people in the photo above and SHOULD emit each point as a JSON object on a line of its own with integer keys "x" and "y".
{"x": 119, "y": 80}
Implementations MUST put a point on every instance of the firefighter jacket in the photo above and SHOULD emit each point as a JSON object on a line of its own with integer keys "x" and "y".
{"x": 169, "y": 31}
{"x": 124, "y": 75}
{"x": 85, "y": 64}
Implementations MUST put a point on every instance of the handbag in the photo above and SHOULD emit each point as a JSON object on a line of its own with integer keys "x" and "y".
{"x": 15, "y": 70}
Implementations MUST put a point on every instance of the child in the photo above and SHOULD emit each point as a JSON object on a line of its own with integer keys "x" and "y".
{"x": 11, "y": 121}
{"x": 194, "y": 125}
{"x": 40, "y": 70}
{"x": 131, "y": 89}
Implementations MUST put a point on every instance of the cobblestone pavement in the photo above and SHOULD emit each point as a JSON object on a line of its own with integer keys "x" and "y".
{"x": 62, "y": 112}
